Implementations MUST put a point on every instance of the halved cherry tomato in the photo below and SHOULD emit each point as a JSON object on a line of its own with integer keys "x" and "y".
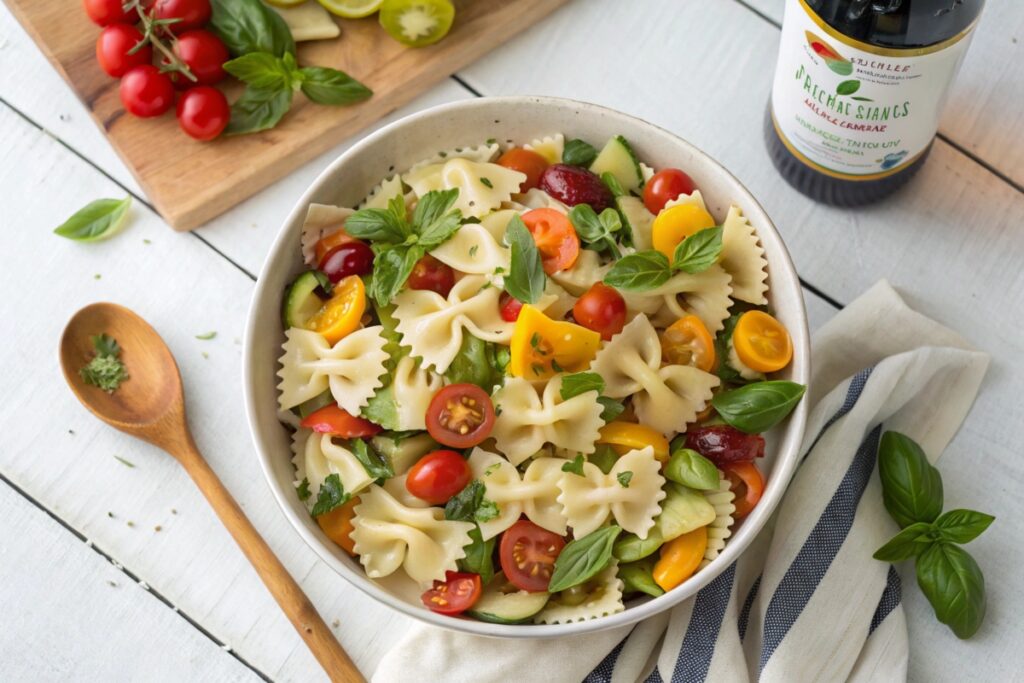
{"x": 688, "y": 342}
{"x": 340, "y": 315}
{"x": 664, "y": 186}
{"x": 333, "y": 420}
{"x": 337, "y": 524}
{"x": 747, "y": 482}
{"x": 333, "y": 240}
{"x": 680, "y": 558}
{"x": 431, "y": 274}
{"x": 601, "y": 309}
{"x": 556, "y": 239}
{"x": 525, "y": 161}
{"x": 675, "y": 224}
{"x": 528, "y": 555}
{"x": 542, "y": 347}
{"x": 438, "y": 476}
{"x": 460, "y": 415}
{"x": 624, "y": 437}
{"x": 722, "y": 444}
{"x": 457, "y": 593}
{"x": 762, "y": 342}
{"x": 510, "y": 307}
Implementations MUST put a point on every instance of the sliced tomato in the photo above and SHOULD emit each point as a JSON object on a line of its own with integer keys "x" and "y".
{"x": 429, "y": 273}
{"x": 438, "y": 476}
{"x": 334, "y": 420}
{"x": 460, "y": 415}
{"x": 688, "y": 342}
{"x": 458, "y": 592}
{"x": 337, "y": 524}
{"x": 762, "y": 342}
{"x": 747, "y": 483}
{"x": 527, "y": 162}
{"x": 528, "y": 555}
{"x": 675, "y": 224}
{"x": 342, "y": 313}
{"x": 556, "y": 239}
{"x": 624, "y": 437}
{"x": 335, "y": 239}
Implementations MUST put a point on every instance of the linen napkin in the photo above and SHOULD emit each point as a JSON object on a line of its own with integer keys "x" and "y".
{"x": 806, "y": 601}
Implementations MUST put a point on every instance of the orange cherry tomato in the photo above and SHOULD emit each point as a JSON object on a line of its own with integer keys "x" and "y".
{"x": 601, "y": 309}
{"x": 747, "y": 482}
{"x": 556, "y": 239}
{"x": 334, "y": 420}
{"x": 675, "y": 224}
{"x": 680, "y": 558}
{"x": 337, "y": 524}
{"x": 341, "y": 314}
{"x": 688, "y": 342}
{"x": 457, "y": 593}
{"x": 525, "y": 161}
{"x": 335, "y": 239}
{"x": 528, "y": 555}
{"x": 624, "y": 437}
{"x": 762, "y": 342}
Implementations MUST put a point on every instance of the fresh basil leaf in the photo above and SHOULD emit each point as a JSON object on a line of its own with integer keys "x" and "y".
{"x": 96, "y": 220}
{"x": 330, "y": 496}
{"x": 639, "y": 272}
{"x": 434, "y": 219}
{"x": 330, "y": 86}
{"x": 611, "y": 409}
{"x": 578, "y": 153}
{"x": 613, "y": 184}
{"x": 376, "y": 466}
{"x": 624, "y": 478}
{"x": 637, "y": 577}
{"x": 479, "y": 556}
{"x": 758, "y": 407}
{"x": 690, "y": 468}
{"x": 911, "y": 487}
{"x": 962, "y": 526}
{"x": 258, "y": 110}
{"x": 699, "y": 251}
{"x": 908, "y": 543}
{"x": 379, "y": 225}
{"x": 954, "y": 585}
{"x": 303, "y": 490}
{"x": 391, "y": 268}
{"x": 580, "y": 383}
{"x": 631, "y": 548}
{"x": 261, "y": 70}
{"x": 487, "y": 511}
{"x": 470, "y": 505}
{"x": 246, "y": 26}
{"x": 588, "y": 226}
{"x": 381, "y": 409}
{"x": 474, "y": 364}
{"x": 574, "y": 466}
{"x": 583, "y": 558}
{"x": 526, "y": 281}
{"x": 604, "y": 456}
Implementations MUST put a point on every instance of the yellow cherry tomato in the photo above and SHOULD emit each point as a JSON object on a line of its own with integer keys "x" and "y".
{"x": 675, "y": 224}
{"x": 680, "y": 558}
{"x": 341, "y": 314}
{"x": 542, "y": 347}
{"x": 688, "y": 342}
{"x": 762, "y": 342}
{"x": 337, "y": 524}
{"x": 624, "y": 437}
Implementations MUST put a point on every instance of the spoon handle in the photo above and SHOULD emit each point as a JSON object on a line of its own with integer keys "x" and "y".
{"x": 282, "y": 586}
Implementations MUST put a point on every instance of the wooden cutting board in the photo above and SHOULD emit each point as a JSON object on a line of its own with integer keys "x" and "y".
{"x": 190, "y": 182}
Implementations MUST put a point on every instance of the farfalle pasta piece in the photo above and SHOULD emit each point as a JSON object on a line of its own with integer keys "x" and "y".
{"x": 588, "y": 500}
{"x": 474, "y": 250}
{"x": 527, "y": 421}
{"x": 721, "y": 528}
{"x": 534, "y": 493}
{"x": 351, "y": 368}
{"x": 705, "y": 295}
{"x": 587, "y": 270}
{"x": 396, "y": 487}
{"x": 639, "y": 220}
{"x": 412, "y": 387}
{"x": 479, "y": 153}
{"x": 432, "y": 326}
{"x": 743, "y": 258}
{"x": 535, "y": 198}
{"x": 555, "y": 302}
{"x": 665, "y": 398}
{"x": 388, "y": 189}
{"x": 603, "y": 597}
{"x": 321, "y": 220}
{"x": 697, "y": 199}
{"x": 317, "y": 456}
{"x": 388, "y": 535}
{"x": 482, "y": 186}
{"x": 550, "y": 147}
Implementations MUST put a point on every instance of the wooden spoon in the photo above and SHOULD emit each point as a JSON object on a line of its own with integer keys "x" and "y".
{"x": 150, "y": 405}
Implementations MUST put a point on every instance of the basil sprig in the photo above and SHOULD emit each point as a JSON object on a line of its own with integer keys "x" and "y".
{"x": 578, "y": 153}
{"x": 699, "y": 252}
{"x": 597, "y": 230}
{"x": 246, "y": 26}
{"x": 526, "y": 280}
{"x": 583, "y": 558}
{"x": 947, "y": 574}
{"x": 689, "y": 468}
{"x": 646, "y": 270}
{"x": 96, "y": 220}
{"x": 757, "y": 407}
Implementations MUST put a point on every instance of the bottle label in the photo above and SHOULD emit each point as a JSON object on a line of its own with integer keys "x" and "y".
{"x": 852, "y": 110}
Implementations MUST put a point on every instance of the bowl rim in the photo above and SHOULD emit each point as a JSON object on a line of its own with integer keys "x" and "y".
{"x": 783, "y": 274}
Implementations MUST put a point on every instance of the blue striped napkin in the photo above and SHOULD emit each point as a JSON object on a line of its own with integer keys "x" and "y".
{"x": 806, "y": 601}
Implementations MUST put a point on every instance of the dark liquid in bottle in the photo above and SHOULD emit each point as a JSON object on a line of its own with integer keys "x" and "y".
{"x": 892, "y": 24}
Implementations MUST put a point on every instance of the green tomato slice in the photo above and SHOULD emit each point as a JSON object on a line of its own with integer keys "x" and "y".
{"x": 417, "y": 22}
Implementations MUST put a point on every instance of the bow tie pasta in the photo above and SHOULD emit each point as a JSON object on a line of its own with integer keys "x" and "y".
{"x": 482, "y": 186}
{"x": 317, "y": 457}
{"x": 533, "y": 493}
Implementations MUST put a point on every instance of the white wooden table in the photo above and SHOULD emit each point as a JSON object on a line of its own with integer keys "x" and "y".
{"x": 110, "y": 572}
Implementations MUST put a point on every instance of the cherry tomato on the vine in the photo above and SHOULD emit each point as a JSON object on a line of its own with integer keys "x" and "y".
{"x": 510, "y": 307}
{"x": 664, "y": 186}
{"x": 429, "y": 273}
{"x": 107, "y": 12}
{"x": 192, "y": 13}
{"x": 601, "y": 309}
{"x": 203, "y": 112}
{"x": 204, "y": 54}
{"x": 457, "y": 593}
{"x": 525, "y": 161}
{"x": 146, "y": 92}
{"x": 460, "y": 415}
{"x": 438, "y": 476}
{"x": 528, "y": 555}
{"x": 114, "y": 44}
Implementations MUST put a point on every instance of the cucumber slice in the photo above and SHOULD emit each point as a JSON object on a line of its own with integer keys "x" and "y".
{"x": 314, "y": 404}
{"x": 618, "y": 159}
{"x": 403, "y": 453}
{"x": 302, "y": 302}
{"x": 503, "y": 603}
{"x": 682, "y": 511}
{"x": 638, "y": 219}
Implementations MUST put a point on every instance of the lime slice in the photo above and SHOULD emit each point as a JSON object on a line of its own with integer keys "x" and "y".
{"x": 351, "y": 9}
{"x": 285, "y": 3}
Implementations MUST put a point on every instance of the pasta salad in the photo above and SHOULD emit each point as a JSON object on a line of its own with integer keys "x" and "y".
{"x": 534, "y": 379}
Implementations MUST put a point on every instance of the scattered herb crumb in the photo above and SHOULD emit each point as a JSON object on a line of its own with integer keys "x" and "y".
{"x": 487, "y": 182}
{"x": 130, "y": 523}
{"x": 124, "y": 462}
{"x": 335, "y": 623}
{"x": 112, "y": 584}
{"x": 491, "y": 141}
{"x": 624, "y": 479}
{"x": 97, "y": 276}
{"x": 206, "y": 336}
{"x": 158, "y": 528}
{"x": 173, "y": 511}
{"x": 110, "y": 514}
{"x": 205, "y": 354}
{"x": 105, "y": 370}
{"x": 147, "y": 241}
{"x": 71, "y": 432}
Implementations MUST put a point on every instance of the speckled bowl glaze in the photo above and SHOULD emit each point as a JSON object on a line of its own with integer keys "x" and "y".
{"x": 396, "y": 147}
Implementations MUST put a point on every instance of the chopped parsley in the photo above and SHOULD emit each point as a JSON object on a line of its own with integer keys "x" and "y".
{"x": 624, "y": 478}
{"x": 105, "y": 370}
{"x": 303, "y": 489}
{"x": 492, "y": 469}
{"x": 487, "y": 182}
{"x": 473, "y": 249}
{"x": 575, "y": 466}
{"x": 124, "y": 462}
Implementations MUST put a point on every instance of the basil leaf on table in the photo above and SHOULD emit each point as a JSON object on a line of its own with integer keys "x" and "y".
{"x": 908, "y": 543}
{"x": 637, "y": 577}
{"x": 911, "y": 486}
{"x": 583, "y": 558}
{"x": 954, "y": 585}
{"x": 330, "y": 86}
{"x": 261, "y": 70}
{"x": 258, "y": 109}
{"x": 690, "y": 468}
{"x": 330, "y": 496}
{"x": 758, "y": 407}
{"x": 479, "y": 556}
{"x": 526, "y": 279}
{"x": 639, "y": 272}
{"x": 250, "y": 26}
{"x": 578, "y": 153}
{"x": 698, "y": 252}
{"x": 96, "y": 220}
{"x": 962, "y": 526}
{"x": 580, "y": 383}
{"x": 377, "y": 467}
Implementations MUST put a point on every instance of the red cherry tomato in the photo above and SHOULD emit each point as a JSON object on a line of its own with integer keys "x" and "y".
{"x": 601, "y": 309}
{"x": 112, "y": 49}
{"x": 146, "y": 92}
{"x": 334, "y": 420}
{"x": 351, "y": 258}
{"x": 429, "y": 273}
{"x": 107, "y": 12}
{"x": 723, "y": 444}
{"x": 438, "y": 476}
{"x": 525, "y": 161}
{"x": 458, "y": 592}
{"x": 664, "y": 186}
{"x": 203, "y": 112}
{"x": 204, "y": 54}
{"x": 192, "y": 13}
{"x": 510, "y": 307}
{"x": 747, "y": 482}
{"x": 528, "y": 555}
{"x": 556, "y": 239}
{"x": 460, "y": 415}
{"x": 573, "y": 185}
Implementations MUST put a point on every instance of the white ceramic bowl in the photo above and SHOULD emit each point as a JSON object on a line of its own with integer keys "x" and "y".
{"x": 520, "y": 119}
